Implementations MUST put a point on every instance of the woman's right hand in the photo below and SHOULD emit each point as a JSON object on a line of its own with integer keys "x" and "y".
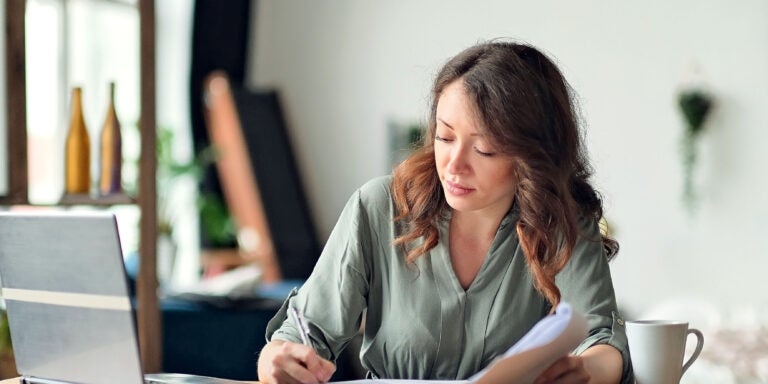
{"x": 286, "y": 362}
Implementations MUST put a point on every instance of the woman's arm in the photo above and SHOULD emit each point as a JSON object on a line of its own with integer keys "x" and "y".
{"x": 599, "y": 364}
{"x": 286, "y": 362}
{"x": 586, "y": 284}
{"x": 603, "y": 363}
{"x": 332, "y": 299}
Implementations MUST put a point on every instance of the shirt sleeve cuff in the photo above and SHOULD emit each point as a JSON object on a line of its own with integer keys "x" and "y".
{"x": 616, "y": 337}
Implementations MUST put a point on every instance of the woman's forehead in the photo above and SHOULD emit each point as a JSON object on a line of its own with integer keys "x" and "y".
{"x": 456, "y": 109}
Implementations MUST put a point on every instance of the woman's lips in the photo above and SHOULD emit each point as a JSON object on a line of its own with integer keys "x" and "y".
{"x": 457, "y": 189}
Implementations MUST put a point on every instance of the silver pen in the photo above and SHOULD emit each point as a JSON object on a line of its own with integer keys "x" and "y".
{"x": 301, "y": 323}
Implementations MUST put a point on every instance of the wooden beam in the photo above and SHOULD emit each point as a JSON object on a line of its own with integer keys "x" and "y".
{"x": 15, "y": 76}
{"x": 148, "y": 315}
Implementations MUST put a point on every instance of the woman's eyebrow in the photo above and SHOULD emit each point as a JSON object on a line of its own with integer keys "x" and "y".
{"x": 478, "y": 134}
{"x": 445, "y": 123}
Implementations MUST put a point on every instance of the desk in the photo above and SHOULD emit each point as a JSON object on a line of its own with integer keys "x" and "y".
{"x": 17, "y": 381}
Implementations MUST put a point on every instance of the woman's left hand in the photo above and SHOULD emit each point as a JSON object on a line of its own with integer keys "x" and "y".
{"x": 568, "y": 369}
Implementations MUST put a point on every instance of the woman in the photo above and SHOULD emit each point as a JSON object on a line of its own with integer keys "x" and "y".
{"x": 471, "y": 241}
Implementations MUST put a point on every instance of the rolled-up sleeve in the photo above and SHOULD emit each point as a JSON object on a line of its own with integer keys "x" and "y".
{"x": 586, "y": 284}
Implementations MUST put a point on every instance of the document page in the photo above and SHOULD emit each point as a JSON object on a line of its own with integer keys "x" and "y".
{"x": 403, "y": 381}
{"x": 182, "y": 378}
{"x": 550, "y": 339}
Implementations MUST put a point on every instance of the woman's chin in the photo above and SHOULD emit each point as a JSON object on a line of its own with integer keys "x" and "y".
{"x": 458, "y": 203}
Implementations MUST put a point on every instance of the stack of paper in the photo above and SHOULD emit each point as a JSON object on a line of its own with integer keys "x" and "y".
{"x": 551, "y": 338}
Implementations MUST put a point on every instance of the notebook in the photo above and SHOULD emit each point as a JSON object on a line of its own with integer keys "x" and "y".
{"x": 66, "y": 296}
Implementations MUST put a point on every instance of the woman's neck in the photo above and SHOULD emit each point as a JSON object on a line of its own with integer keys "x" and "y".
{"x": 475, "y": 224}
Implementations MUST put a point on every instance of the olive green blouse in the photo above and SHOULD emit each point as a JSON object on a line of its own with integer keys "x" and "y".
{"x": 419, "y": 322}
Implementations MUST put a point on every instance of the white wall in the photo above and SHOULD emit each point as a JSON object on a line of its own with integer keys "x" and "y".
{"x": 174, "y": 32}
{"x": 344, "y": 68}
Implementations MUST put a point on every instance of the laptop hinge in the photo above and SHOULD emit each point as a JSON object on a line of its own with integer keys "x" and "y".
{"x": 37, "y": 380}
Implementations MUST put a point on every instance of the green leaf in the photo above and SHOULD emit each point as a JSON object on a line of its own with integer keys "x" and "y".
{"x": 696, "y": 106}
{"x": 217, "y": 224}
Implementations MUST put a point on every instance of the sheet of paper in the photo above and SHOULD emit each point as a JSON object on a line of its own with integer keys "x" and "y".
{"x": 394, "y": 381}
{"x": 550, "y": 339}
{"x": 181, "y": 378}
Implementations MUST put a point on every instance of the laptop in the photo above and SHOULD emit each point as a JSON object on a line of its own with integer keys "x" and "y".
{"x": 66, "y": 296}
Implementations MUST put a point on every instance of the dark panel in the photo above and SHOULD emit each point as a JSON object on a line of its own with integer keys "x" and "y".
{"x": 219, "y": 42}
{"x": 283, "y": 198}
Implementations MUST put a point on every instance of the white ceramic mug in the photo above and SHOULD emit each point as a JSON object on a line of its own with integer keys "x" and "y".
{"x": 657, "y": 348}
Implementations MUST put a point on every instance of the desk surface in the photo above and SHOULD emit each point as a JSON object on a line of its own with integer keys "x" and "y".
{"x": 16, "y": 381}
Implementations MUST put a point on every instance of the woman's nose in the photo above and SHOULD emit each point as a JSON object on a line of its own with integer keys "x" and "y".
{"x": 457, "y": 163}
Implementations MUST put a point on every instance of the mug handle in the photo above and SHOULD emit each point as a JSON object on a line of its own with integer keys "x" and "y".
{"x": 699, "y": 346}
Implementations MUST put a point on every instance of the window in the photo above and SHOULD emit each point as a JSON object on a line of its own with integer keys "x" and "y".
{"x": 78, "y": 43}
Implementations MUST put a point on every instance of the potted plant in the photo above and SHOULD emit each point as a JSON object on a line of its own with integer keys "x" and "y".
{"x": 217, "y": 225}
{"x": 7, "y": 362}
{"x": 695, "y": 106}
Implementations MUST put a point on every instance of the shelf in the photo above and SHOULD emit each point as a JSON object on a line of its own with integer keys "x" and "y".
{"x": 73, "y": 200}
{"x": 115, "y": 199}
{"x": 148, "y": 315}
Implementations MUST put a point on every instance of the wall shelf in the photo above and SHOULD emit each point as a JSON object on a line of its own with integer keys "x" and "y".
{"x": 116, "y": 199}
{"x": 147, "y": 314}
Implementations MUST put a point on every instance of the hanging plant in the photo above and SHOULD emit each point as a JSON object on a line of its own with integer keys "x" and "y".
{"x": 695, "y": 106}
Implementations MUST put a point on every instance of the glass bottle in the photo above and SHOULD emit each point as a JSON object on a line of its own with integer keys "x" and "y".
{"x": 78, "y": 150}
{"x": 111, "y": 150}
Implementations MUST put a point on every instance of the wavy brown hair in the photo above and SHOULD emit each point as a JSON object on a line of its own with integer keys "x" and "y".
{"x": 528, "y": 109}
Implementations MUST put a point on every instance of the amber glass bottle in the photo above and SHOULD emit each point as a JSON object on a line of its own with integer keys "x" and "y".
{"x": 78, "y": 150}
{"x": 111, "y": 150}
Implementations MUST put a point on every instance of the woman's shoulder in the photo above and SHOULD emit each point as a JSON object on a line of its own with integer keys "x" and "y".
{"x": 375, "y": 199}
{"x": 377, "y": 190}
{"x": 589, "y": 228}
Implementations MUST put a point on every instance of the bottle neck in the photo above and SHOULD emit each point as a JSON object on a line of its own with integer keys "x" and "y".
{"x": 77, "y": 104}
{"x": 111, "y": 112}
{"x": 111, "y": 93}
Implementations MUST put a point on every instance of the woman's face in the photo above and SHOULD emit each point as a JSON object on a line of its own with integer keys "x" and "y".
{"x": 474, "y": 177}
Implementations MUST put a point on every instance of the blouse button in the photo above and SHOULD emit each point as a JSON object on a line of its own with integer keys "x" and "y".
{"x": 618, "y": 318}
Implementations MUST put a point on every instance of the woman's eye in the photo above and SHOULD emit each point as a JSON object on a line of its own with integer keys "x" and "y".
{"x": 484, "y": 153}
{"x": 443, "y": 139}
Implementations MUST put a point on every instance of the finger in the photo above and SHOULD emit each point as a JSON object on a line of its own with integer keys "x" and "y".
{"x": 559, "y": 368}
{"x": 321, "y": 368}
{"x": 328, "y": 368}
{"x": 282, "y": 372}
{"x": 555, "y": 370}
{"x": 292, "y": 360}
{"x": 314, "y": 363}
{"x": 298, "y": 372}
{"x": 576, "y": 376}
{"x": 283, "y": 378}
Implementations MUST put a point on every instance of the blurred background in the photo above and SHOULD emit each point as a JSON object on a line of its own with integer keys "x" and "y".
{"x": 345, "y": 69}
{"x": 353, "y": 78}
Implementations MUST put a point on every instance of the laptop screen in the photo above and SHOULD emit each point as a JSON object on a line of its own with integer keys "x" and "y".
{"x": 67, "y": 299}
